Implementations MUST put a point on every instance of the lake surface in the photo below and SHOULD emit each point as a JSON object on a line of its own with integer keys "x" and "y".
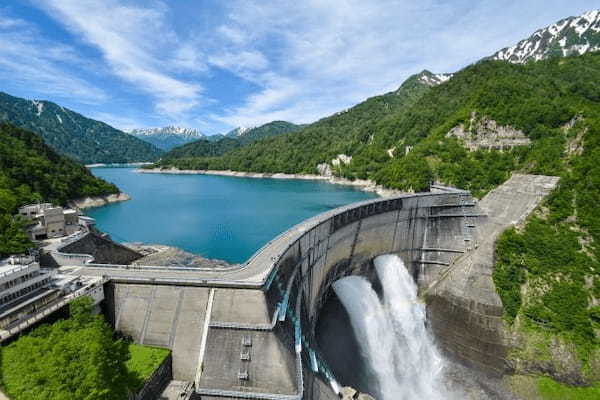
{"x": 222, "y": 217}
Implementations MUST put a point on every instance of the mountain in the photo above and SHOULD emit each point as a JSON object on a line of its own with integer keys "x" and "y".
{"x": 301, "y": 151}
{"x": 570, "y": 36}
{"x": 234, "y": 139}
{"x": 168, "y": 137}
{"x": 70, "y": 133}
{"x": 239, "y": 131}
{"x": 214, "y": 138}
{"x": 30, "y": 172}
{"x": 431, "y": 79}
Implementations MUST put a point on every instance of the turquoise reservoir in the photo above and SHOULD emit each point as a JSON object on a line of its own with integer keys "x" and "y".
{"x": 228, "y": 218}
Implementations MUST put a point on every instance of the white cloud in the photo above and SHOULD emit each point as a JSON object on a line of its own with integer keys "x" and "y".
{"x": 239, "y": 61}
{"x": 29, "y": 60}
{"x": 328, "y": 55}
{"x": 118, "y": 121}
{"x": 138, "y": 45}
{"x": 304, "y": 59}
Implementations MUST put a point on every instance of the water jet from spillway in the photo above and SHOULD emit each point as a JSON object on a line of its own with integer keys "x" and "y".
{"x": 399, "y": 350}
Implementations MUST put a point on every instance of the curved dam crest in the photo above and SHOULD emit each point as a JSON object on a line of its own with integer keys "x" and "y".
{"x": 250, "y": 332}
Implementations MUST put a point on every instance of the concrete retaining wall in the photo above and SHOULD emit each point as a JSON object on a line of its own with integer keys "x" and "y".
{"x": 428, "y": 231}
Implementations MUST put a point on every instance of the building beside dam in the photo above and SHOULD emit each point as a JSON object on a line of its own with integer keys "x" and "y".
{"x": 249, "y": 331}
{"x": 48, "y": 221}
{"x": 28, "y": 293}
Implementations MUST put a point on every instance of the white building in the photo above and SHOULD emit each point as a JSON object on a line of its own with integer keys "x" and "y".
{"x": 48, "y": 221}
{"x": 20, "y": 276}
{"x": 28, "y": 293}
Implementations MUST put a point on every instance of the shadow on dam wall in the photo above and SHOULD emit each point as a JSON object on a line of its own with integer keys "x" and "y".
{"x": 276, "y": 299}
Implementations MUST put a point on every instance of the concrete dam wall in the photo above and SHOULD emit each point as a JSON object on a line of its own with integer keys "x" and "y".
{"x": 249, "y": 332}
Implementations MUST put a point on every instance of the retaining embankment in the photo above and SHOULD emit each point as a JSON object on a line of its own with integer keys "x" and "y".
{"x": 102, "y": 249}
{"x": 463, "y": 306}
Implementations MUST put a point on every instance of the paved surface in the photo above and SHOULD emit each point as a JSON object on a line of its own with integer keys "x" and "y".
{"x": 240, "y": 306}
{"x": 271, "y": 368}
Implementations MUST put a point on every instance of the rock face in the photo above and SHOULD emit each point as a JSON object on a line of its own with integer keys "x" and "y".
{"x": 324, "y": 170}
{"x": 341, "y": 159}
{"x": 484, "y": 133}
{"x": 464, "y": 308}
{"x": 89, "y": 202}
{"x": 348, "y": 393}
{"x": 431, "y": 79}
{"x": 160, "y": 255}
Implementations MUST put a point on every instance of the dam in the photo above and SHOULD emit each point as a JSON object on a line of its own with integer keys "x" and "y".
{"x": 249, "y": 332}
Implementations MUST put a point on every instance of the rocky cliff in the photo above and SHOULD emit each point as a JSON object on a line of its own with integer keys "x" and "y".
{"x": 485, "y": 133}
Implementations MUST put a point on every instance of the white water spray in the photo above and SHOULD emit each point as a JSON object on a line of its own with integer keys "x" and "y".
{"x": 392, "y": 333}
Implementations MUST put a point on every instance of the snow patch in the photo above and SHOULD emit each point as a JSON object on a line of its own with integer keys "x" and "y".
{"x": 171, "y": 130}
{"x": 39, "y": 105}
{"x": 434, "y": 79}
{"x": 59, "y": 118}
{"x": 540, "y": 44}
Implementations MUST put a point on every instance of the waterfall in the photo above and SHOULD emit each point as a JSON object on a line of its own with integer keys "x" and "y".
{"x": 393, "y": 337}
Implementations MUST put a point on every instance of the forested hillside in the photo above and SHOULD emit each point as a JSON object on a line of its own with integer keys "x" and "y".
{"x": 207, "y": 147}
{"x": 318, "y": 142}
{"x": 72, "y": 134}
{"x": 77, "y": 359}
{"x": 30, "y": 171}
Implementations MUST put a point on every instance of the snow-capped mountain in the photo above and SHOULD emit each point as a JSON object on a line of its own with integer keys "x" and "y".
{"x": 237, "y": 132}
{"x": 431, "y": 79}
{"x": 167, "y": 137}
{"x": 569, "y": 36}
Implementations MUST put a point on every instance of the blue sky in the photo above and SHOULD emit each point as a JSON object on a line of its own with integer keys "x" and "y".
{"x": 215, "y": 65}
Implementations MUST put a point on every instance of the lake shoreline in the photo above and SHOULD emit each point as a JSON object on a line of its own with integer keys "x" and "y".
{"x": 364, "y": 185}
{"x": 98, "y": 201}
{"x": 117, "y": 165}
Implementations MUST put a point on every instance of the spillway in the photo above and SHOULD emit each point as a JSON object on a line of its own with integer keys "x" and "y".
{"x": 391, "y": 330}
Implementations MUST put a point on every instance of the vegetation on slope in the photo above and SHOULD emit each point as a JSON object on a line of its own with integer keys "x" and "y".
{"x": 211, "y": 148}
{"x": 537, "y": 98}
{"x": 300, "y": 152}
{"x": 76, "y": 358}
{"x": 143, "y": 361}
{"x": 32, "y": 172}
{"x": 70, "y": 133}
{"x": 548, "y": 273}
